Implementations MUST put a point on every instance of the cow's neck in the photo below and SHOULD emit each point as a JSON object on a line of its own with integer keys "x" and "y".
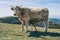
{"x": 20, "y": 17}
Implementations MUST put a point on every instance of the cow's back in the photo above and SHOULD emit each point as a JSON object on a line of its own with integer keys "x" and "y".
{"x": 38, "y": 13}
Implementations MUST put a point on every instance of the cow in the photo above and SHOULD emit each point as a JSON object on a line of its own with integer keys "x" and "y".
{"x": 25, "y": 14}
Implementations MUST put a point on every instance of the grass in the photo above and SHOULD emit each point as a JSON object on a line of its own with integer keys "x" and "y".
{"x": 13, "y": 32}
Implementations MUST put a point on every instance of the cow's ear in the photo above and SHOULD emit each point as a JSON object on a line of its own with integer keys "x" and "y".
{"x": 12, "y": 8}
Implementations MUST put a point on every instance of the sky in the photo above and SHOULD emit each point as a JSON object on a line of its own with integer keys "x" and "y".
{"x": 52, "y": 5}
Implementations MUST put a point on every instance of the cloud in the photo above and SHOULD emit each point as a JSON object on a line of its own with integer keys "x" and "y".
{"x": 52, "y": 5}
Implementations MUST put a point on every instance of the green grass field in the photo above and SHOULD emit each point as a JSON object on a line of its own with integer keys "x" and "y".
{"x": 13, "y": 32}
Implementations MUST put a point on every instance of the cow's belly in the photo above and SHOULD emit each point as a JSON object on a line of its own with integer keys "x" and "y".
{"x": 35, "y": 20}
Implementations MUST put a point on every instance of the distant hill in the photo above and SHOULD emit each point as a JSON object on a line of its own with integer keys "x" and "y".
{"x": 55, "y": 20}
{"x": 10, "y": 19}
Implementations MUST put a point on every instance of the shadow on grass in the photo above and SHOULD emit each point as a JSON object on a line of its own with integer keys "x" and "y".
{"x": 38, "y": 34}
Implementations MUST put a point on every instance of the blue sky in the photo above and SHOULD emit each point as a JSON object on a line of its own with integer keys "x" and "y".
{"x": 52, "y": 5}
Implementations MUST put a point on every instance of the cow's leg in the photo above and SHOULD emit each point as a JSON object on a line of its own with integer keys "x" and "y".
{"x": 35, "y": 28}
{"x": 26, "y": 23}
{"x": 45, "y": 25}
{"x": 22, "y": 23}
{"x": 23, "y": 26}
{"x": 31, "y": 27}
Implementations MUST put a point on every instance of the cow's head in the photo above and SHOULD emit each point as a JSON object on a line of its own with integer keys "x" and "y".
{"x": 16, "y": 10}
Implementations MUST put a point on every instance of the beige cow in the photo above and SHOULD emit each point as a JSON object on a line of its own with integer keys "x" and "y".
{"x": 25, "y": 14}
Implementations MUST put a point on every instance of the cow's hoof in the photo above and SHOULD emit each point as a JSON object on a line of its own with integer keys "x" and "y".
{"x": 35, "y": 30}
{"x": 22, "y": 30}
{"x": 27, "y": 31}
{"x": 45, "y": 31}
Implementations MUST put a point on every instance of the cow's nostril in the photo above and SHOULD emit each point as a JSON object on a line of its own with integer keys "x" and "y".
{"x": 14, "y": 14}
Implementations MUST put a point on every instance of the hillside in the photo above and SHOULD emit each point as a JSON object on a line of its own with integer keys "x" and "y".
{"x": 13, "y": 32}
